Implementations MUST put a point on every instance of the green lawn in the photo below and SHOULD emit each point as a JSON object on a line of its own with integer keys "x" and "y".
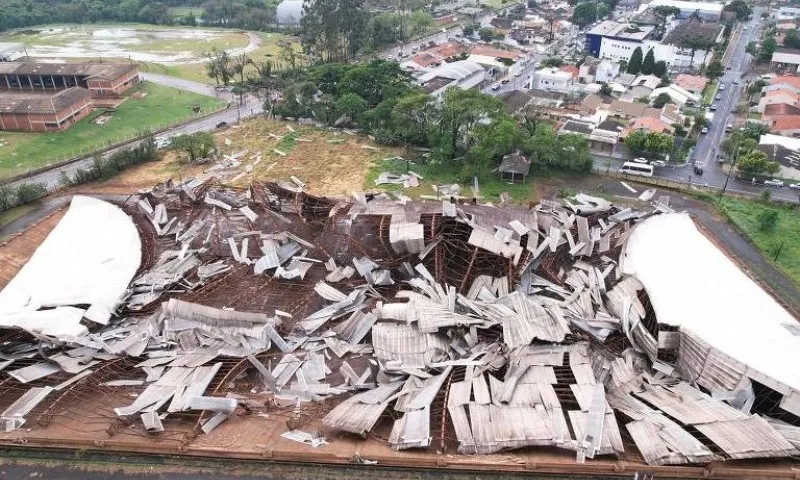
{"x": 786, "y": 236}
{"x": 179, "y": 12}
{"x": 490, "y": 188}
{"x": 159, "y": 107}
{"x": 709, "y": 93}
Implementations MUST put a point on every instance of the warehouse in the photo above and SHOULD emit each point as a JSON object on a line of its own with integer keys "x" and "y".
{"x": 43, "y": 111}
{"x": 103, "y": 80}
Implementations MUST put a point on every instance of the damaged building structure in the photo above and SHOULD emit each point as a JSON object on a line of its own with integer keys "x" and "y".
{"x": 579, "y": 327}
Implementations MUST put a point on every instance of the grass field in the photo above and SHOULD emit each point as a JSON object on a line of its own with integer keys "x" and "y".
{"x": 490, "y": 188}
{"x": 179, "y": 12}
{"x": 123, "y": 40}
{"x": 197, "y": 71}
{"x": 709, "y": 93}
{"x": 783, "y": 241}
{"x": 158, "y": 107}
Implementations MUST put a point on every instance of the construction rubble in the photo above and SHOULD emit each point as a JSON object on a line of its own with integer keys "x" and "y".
{"x": 431, "y": 325}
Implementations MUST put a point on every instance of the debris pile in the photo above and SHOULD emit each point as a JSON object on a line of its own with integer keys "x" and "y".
{"x": 479, "y": 329}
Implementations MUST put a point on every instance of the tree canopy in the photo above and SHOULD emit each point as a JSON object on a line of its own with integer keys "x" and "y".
{"x": 649, "y": 63}
{"x": 635, "y": 62}
{"x": 755, "y": 162}
{"x": 652, "y": 144}
{"x": 740, "y": 8}
{"x": 584, "y": 14}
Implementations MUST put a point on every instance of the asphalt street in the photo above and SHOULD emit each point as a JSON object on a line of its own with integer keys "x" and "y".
{"x": 707, "y": 148}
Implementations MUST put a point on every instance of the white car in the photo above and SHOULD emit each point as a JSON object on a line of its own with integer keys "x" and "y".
{"x": 704, "y": 130}
{"x": 774, "y": 183}
{"x": 496, "y": 86}
{"x": 736, "y": 82}
{"x": 640, "y": 160}
{"x": 163, "y": 142}
{"x": 659, "y": 163}
{"x": 796, "y": 186}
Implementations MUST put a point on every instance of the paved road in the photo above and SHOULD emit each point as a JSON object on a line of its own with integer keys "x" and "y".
{"x": 186, "y": 85}
{"x": 707, "y": 146}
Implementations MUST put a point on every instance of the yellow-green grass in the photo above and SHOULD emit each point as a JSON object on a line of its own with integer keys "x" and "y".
{"x": 159, "y": 107}
{"x": 17, "y": 212}
{"x": 178, "y": 12}
{"x": 490, "y": 187}
{"x": 784, "y": 241}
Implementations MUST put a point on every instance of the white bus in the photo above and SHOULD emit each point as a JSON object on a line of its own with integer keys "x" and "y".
{"x": 633, "y": 168}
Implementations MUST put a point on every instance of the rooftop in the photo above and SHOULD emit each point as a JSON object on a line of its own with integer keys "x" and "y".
{"x": 689, "y": 5}
{"x": 692, "y": 83}
{"x": 792, "y": 80}
{"x": 786, "y": 55}
{"x": 577, "y": 126}
{"x": 783, "y": 123}
{"x": 12, "y": 101}
{"x": 684, "y": 32}
{"x": 515, "y": 163}
{"x": 101, "y": 71}
{"x": 610, "y": 28}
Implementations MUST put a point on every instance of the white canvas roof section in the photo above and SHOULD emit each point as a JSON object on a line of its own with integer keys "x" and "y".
{"x": 89, "y": 258}
{"x": 693, "y": 285}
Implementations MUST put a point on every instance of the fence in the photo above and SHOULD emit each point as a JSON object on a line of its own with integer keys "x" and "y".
{"x": 102, "y": 147}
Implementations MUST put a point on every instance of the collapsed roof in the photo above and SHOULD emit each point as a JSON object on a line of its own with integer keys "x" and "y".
{"x": 429, "y": 324}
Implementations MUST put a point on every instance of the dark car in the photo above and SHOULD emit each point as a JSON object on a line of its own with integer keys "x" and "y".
{"x": 698, "y": 170}
{"x": 222, "y": 124}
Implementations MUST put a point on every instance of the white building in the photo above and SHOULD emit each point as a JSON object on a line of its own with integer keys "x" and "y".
{"x": 679, "y": 95}
{"x": 552, "y": 79}
{"x": 289, "y": 12}
{"x": 787, "y": 13}
{"x": 786, "y": 59}
{"x": 462, "y": 74}
{"x": 594, "y": 70}
{"x": 785, "y": 151}
{"x": 711, "y": 11}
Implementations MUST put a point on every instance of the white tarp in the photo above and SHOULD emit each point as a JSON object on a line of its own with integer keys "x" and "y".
{"x": 89, "y": 259}
{"x": 692, "y": 284}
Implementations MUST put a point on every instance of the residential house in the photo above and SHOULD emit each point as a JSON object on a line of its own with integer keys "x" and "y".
{"x": 591, "y": 103}
{"x": 606, "y": 136}
{"x": 777, "y": 97}
{"x": 691, "y": 83}
{"x": 642, "y": 86}
{"x": 785, "y": 125}
{"x": 630, "y": 110}
{"x": 647, "y": 124}
{"x": 784, "y": 82}
{"x": 786, "y": 59}
{"x": 785, "y": 151}
{"x": 595, "y": 70}
{"x": 577, "y": 127}
{"x": 550, "y": 78}
{"x": 514, "y": 168}
{"x": 671, "y": 115}
{"x": 422, "y": 62}
{"x": 678, "y": 95}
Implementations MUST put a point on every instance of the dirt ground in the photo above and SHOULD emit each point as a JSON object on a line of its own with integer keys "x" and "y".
{"x": 15, "y": 251}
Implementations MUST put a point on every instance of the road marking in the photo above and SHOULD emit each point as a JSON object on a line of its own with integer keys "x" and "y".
{"x": 632, "y": 190}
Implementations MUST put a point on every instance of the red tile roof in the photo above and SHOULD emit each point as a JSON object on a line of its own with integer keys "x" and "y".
{"x": 787, "y": 79}
{"x": 785, "y": 122}
{"x": 774, "y": 109}
{"x": 647, "y": 123}
{"x": 426, "y": 60}
{"x": 692, "y": 83}
{"x": 571, "y": 69}
{"x": 495, "y": 52}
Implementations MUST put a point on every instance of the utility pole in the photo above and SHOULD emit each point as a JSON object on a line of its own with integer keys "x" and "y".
{"x": 733, "y": 165}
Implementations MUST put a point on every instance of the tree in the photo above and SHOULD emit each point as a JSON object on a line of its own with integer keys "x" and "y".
{"x": 767, "y": 220}
{"x": 584, "y": 14}
{"x": 660, "y": 69}
{"x": 352, "y": 105}
{"x": 603, "y": 10}
{"x": 218, "y": 66}
{"x": 488, "y": 34}
{"x": 741, "y": 9}
{"x": 332, "y": 29}
{"x": 649, "y": 63}
{"x": 196, "y": 145}
{"x": 791, "y": 40}
{"x": 605, "y": 89}
{"x": 768, "y": 47}
{"x": 469, "y": 29}
{"x": 663, "y": 13}
{"x": 715, "y": 69}
{"x": 635, "y": 62}
{"x": 552, "y": 62}
{"x": 756, "y": 162}
{"x": 751, "y": 48}
{"x": 653, "y": 144}
{"x": 661, "y": 100}
{"x": 754, "y": 130}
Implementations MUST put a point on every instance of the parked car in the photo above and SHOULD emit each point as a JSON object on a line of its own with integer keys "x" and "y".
{"x": 640, "y": 160}
{"x": 736, "y": 82}
{"x": 698, "y": 170}
{"x": 721, "y": 87}
{"x": 659, "y": 163}
{"x": 704, "y": 130}
{"x": 712, "y": 107}
{"x": 505, "y": 81}
{"x": 718, "y": 97}
{"x": 496, "y": 86}
{"x": 774, "y": 183}
{"x": 796, "y": 186}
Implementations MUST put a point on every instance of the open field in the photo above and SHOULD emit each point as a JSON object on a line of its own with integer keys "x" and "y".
{"x": 179, "y": 12}
{"x": 784, "y": 241}
{"x": 148, "y": 107}
{"x": 146, "y": 43}
{"x": 268, "y": 50}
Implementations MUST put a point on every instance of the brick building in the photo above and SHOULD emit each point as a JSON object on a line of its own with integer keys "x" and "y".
{"x": 43, "y": 111}
{"x": 52, "y": 96}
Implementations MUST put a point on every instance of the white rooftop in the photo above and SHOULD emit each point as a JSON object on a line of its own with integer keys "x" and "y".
{"x": 688, "y": 6}
{"x": 692, "y": 284}
{"x": 610, "y": 28}
{"x": 786, "y": 142}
